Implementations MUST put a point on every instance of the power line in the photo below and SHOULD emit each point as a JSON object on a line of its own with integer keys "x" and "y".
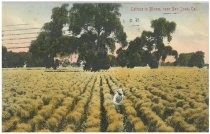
{"x": 10, "y": 31}
{"x": 20, "y": 34}
{"x": 20, "y": 29}
{"x": 14, "y": 25}
{"x": 18, "y": 38}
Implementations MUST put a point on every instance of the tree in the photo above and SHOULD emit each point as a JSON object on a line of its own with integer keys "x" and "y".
{"x": 11, "y": 59}
{"x": 4, "y": 56}
{"x": 122, "y": 57}
{"x": 113, "y": 60}
{"x": 197, "y": 59}
{"x": 39, "y": 50}
{"x": 98, "y": 27}
{"x": 154, "y": 40}
{"x": 49, "y": 43}
{"x": 134, "y": 53}
{"x": 191, "y": 59}
{"x": 67, "y": 45}
{"x": 184, "y": 58}
{"x": 149, "y": 48}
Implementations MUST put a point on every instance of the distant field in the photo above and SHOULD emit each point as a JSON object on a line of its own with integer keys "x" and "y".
{"x": 164, "y": 99}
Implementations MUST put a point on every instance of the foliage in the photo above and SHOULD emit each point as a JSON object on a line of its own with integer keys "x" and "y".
{"x": 94, "y": 27}
{"x": 191, "y": 59}
{"x": 50, "y": 41}
{"x": 197, "y": 59}
{"x": 184, "y": 58}
{"x": 12, "y": 59}
{"x": 99, "y": 28}
{"x": 149, "y": 48}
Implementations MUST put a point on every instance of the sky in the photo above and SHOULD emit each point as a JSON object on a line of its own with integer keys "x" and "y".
{"x": 191, "y": 34}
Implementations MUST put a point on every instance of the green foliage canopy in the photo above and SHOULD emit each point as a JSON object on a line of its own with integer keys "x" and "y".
{"x": 48, "y": 43}
{"x": 11, "y": 59}
{"x": 191, "y": 59}
{"x": 150, "y": 48}
{"x": 98, "y": 28}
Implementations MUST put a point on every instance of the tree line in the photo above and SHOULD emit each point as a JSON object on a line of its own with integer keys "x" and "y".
{"x": 191, "y": 59}
{"x": 13, "y": 59}
{"x": 94, "y": 29}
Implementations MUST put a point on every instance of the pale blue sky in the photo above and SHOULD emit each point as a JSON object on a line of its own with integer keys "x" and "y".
{"x": 191, "y": 32}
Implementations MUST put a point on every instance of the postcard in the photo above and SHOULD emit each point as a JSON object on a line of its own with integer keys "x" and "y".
{"x": 105, "y": 67}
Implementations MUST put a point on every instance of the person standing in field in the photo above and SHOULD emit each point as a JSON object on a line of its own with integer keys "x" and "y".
{"x": 118, "y": 101}
{"x": 118, "y": 98}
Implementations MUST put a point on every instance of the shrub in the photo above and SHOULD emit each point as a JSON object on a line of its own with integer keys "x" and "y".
{"x": 139, "y": 103}
{"x": 6, "y": 115}
{"x": 92, "y": 129}
{"x": 128, "y": 107}
{"x": 61, "y": 111}
{"x": 180, "y": 103}
{"x": 46, "y": 99}
{"x": 207, "y": 100}
{"x": 44, "y": 130}
{"x": 156, "y": 99}
{"x": 94, "y": 111}
{"x": 68, "y": 102}
{"x": 155, "y": 122}
{"x": 10, "y": 124}
{"x": 146, "y": 104}
{"x": 168, "y": 111}
{"x": 130, "y": 111}
{"x": 164, "y": 128}
{"x": 156, "y": 84}
{"x": 70, "y": 128}
{"x": 179, "y": 95}
{"x": 56, "y": 101}
{"x": 92, "y": 122}
{"x": 23, "y": 127}
{"x": 36, "y": 122}
{"x": 38, "y": 104}
{"x": 137, "y": 123}
{"x": 52, "y": 124}
{"x": 115, "y": 127}
{"x": 112, "y": 117}
{"x": 74, "y": 117}
{"x": 186, "y": 106}
{"x": 31, "y": 108}
{"x": 23, "y": 114}
{"x": 198, "y": 118}
{"x": 158, "y": 108}
{"x": 179, "y": 124}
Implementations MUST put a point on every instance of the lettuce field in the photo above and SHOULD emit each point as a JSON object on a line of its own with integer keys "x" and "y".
{"x": 168, "y": 99}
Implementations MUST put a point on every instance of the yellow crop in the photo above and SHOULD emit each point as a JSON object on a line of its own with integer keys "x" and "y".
{"x": 167, "y": 99}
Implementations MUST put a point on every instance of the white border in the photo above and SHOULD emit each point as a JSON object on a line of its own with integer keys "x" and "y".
{"x": 83, "y": 1}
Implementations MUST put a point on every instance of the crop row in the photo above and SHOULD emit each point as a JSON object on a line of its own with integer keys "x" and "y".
{"x": 131, "y": 121}
{"x": 164, "y": 101}
{"x": 32, "y": 115}
{"x": 76, "y": 116}
{"x": 114, "y": 119}
{"x": 92, "y": 121}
